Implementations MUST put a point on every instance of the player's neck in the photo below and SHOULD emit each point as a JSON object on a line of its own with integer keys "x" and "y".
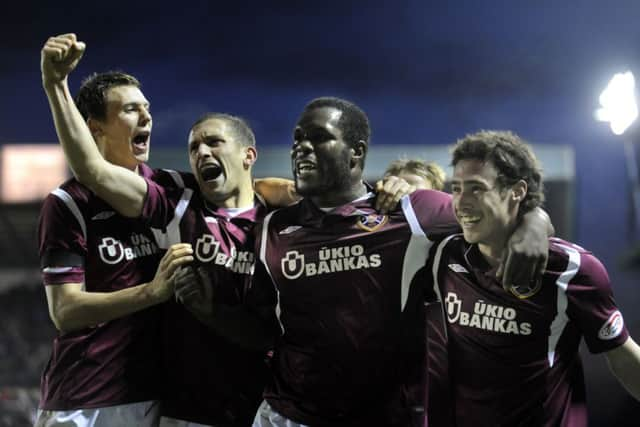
{"x": 492, "y": 254}
{"x": 242, "y": 198}
{"x": 339, "y": 198}
{"x": 493, "y": 248}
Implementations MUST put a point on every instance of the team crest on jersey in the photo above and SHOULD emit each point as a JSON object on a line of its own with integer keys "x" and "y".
{"x": 612, "y": 327}
{"x": 112, "y": 251}
{"x": 292, "y": 265}
{"x": 526, "y": 291}
{"x": 207, "y": 248}
{"x": 372, "y": 222}
{"x": 453, "y": 305}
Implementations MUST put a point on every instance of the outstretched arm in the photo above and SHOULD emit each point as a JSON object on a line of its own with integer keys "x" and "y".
{"x": 71, "y": 308}
{"x": 624, "y": 362}
{"x": 120, "y": 187}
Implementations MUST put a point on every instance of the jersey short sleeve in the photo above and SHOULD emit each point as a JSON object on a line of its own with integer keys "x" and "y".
{"x": 61, "y": 239}
{"x": 591, "y": 305}
{"x": 434, "y": 212}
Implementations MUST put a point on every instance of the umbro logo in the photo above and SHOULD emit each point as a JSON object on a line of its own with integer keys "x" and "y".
{"x": 457, "y": 268}
{"x": 290, "y": 229}
{"x": 103, "y": 215}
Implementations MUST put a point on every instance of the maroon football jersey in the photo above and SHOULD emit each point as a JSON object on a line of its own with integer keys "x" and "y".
{"x": 514, "y": 360}
{"x": 352, "y": 318}
{"x": 83, "y": 240}
{"x": 206, "y": 378}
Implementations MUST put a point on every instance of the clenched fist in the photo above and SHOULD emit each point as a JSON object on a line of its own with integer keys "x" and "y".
{"x": 59, "y": 57}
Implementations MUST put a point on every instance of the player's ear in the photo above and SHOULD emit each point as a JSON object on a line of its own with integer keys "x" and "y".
{"x": 251, "y": 155}
{"x": 358, "y": 153}
{"x": 519, "y": 191}
{"x": 95, "y": 126}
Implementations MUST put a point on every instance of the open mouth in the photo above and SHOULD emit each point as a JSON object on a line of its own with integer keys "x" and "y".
{"x": 141, "y": 142}
{"x": 210, "y": 171}
{"x": 304, "y": 167}
{"x": 468, "y": 220}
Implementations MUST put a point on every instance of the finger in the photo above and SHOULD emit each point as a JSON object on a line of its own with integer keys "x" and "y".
{"x": 77, "y": 50}
{"x": 54, "y": 52}
{"x": 399, "y": 190}
{"x": 187, "y": 291}
{"x": 177, "y": 262}
{"x": 189, "y": 298}
{"x": 378, "y": 189}
{"x": 384, "y": 194}
{"x": 184, "y": 277}
{"x": 67, "y": 36}
{"x": 175, "y": 251}
{"x": 60, "y": 46}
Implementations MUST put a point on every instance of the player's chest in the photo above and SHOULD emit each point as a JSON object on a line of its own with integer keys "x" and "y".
{"x": 339, "y": 252}
{"x": 220, "y": 243}
{"x": 476, "y": 305}
{"x": 113, "y": 239}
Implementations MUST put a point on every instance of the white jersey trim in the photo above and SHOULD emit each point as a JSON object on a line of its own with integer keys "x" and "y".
{"x": 73, "y": 207}
{"x": 417, "y": 251}
{"x": 172, "y": 235}
{"x": 263, "y": 258}
{"x": 560, "y": 321}
{"x": 436, "y": 284}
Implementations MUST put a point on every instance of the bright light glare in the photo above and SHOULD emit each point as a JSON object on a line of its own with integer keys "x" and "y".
{"x": 618, "y": 103}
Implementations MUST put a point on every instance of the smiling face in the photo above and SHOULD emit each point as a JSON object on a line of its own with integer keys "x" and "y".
{"x": 124, "y": 136}
{"x": 220, "y": 162}
{"x": 486, "y": 213}
{"x": 320, "y": 157}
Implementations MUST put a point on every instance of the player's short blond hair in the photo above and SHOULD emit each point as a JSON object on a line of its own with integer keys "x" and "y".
{"x": 430, "y": 171}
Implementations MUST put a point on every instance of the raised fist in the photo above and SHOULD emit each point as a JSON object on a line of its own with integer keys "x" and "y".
{"x": 59, "y": 57}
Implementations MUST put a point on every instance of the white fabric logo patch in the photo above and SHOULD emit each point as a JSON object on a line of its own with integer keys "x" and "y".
{"x": 458, "y": 268}
{"x": 612, "y": 327}
{"x": 103, "y": 215}
{"x": 290, "y": 229}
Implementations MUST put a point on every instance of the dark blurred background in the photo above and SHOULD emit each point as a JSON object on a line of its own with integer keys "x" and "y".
{"x": 426, "y": 73}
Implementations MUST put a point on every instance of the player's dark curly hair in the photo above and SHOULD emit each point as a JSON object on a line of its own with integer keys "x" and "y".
{"x": 511, "y": 156}
{"x": 91, "y": 98}
{"x": 354, "y": 123}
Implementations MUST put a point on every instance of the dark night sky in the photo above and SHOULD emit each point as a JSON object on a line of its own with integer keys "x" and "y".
{"x": 426, "y": 73}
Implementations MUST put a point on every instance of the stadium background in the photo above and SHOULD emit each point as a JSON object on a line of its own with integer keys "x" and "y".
{"x": 426, "y": 73}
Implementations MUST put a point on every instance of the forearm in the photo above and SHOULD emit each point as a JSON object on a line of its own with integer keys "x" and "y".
{"x": 123, "y": 189}
{"x": 78, "y": 144}
{"x": 80, "y": 309}
{"x": 624, "y": 363}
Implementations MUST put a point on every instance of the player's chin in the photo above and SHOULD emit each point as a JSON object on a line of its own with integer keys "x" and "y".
{"x": 142, "y": 157}
{"x": 470, "y": 236}
{"x": 306, "y": 188}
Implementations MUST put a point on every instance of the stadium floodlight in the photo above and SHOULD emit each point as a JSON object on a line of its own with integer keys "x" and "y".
{"x": 618, "y": 102}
